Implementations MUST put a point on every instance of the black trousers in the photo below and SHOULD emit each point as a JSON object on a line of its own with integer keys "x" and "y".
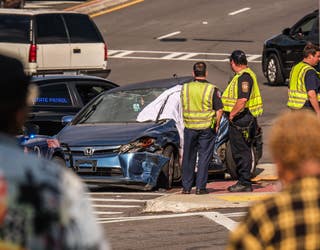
{"x": 241, "y": 148}
{"x": 201, "y": 142}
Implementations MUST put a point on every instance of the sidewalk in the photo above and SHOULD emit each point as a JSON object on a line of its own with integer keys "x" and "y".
{"x": 264, "y": 185}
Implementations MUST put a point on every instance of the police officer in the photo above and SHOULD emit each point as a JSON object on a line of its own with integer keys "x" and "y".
{"x": 304, "y": 86}
{"x": 242, "y": 103}
{"x": 202, "y": 111}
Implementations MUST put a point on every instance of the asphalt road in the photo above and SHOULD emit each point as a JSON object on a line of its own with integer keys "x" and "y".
{"x": 206, "y": 27}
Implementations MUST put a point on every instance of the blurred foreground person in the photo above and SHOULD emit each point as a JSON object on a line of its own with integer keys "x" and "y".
{"x": 42, "y": 205}
{"x": 289, "y": 219}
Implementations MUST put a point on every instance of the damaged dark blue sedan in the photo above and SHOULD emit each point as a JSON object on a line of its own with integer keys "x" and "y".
{"x": 105, "y": 142}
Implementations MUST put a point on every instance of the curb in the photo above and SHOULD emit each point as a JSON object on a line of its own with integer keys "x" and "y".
{"x": 95, "y": 6}
{"x": 179, "y": 203}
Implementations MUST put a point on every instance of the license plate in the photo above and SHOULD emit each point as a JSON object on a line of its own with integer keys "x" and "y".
{"x": 85, "y": 166}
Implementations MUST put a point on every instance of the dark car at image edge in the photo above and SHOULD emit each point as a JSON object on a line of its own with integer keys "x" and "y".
{"x": 283, "y": 51}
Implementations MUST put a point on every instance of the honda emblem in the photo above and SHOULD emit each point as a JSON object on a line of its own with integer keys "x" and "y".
{"x": 88, "y": 151}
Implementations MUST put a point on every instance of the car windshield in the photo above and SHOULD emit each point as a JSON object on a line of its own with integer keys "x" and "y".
{"x": 121, "y": 106}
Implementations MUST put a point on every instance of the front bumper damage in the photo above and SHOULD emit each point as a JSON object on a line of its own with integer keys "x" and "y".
{"x": 141, "y": 168}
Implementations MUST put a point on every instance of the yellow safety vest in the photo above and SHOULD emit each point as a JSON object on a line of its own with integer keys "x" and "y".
{"x": 230, "y": 95}
{"x": 197, "y": 105}
{"x": 297, "y": 94}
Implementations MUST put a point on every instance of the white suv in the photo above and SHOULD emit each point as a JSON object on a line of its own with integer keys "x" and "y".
{"x": 49, "y": 41}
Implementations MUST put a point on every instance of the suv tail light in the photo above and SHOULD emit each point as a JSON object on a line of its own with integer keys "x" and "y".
{"x": 33, "y": 53}
{"x": 105, "y": 52}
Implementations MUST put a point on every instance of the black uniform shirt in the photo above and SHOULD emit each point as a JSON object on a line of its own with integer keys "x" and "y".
{"x": 216, "y": 98}
{"x": 245, "y": 83}
{"x": 312, "y": 83}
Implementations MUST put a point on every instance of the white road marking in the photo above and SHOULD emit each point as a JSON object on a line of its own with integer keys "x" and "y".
{"x": 172, "y": 55}
{"x": 219, "y": 218}
{"x": 123, "y": 54}
{"x": 117, "y": 200}
{"x": 119, "y": 194}
{"x": 177, "y": 56}
{"x": 108, "y": 213}
{"x": 113, "y": 206}
{"x": 222, "y": 220}
{"x": 188, "y": 56}
{"x": 168, "y": 35}
{"x": 239, "y": 11}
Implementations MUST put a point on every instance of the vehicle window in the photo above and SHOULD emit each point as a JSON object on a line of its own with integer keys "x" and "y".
{"x": 88, "y": 91}
{"x": 121, "y": 106}
{"x": 15, "y": 28}
{"x": 54, "y": 95}
{"x": 51, "y": 29}
{"x": 81, "y": 29}
{"x": 304, "y": 28}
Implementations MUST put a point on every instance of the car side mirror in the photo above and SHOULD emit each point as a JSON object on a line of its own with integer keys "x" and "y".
{"x": 66, "y": 119}
{"x": 286, "y": 32}
{"x": 31, "y": 129}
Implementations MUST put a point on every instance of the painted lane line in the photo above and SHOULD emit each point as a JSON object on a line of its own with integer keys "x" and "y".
{"x": 177, "y": 59}
{"x": 237, "y": 214}
{"x": 123, "y": 54}
{"x": 112, "y": 52}
{"x": 123, "y": 193}
{"x": 113, "y": 206}
{"x": 253, "y": 57}
{"x": 109, "y": 213}
{"x": 222, "y": 220}
{"x": 239, "y": 11}
{"x": 214, "y": 216}
{"x": 172, "y": 55}
{"x": 117, "y": 200}
{"x": 188, "y": 56}
{"x": 169, "y": 35}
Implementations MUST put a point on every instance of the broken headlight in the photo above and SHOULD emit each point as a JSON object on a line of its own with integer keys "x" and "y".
{"x": 139, "y": 145}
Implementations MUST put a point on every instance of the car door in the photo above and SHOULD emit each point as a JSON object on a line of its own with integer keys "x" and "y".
{"x": 87, "y": 45}
{"x": 52, "y": 42}
{"x": 301, "y": 33}
{"x": 54, "y": 102}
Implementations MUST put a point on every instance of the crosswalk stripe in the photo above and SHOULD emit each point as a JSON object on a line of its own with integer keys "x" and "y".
{"x": 124, "y": 193}
{"x": 123, "y": 54}
{"x": 113, "y": 206}
{"x": 188, "y": 56}
{"x": 172, "y": 55}
{"x": 108, "y": 213}
{"x": 117, "y": 200}
{"x": 176, "y": 56}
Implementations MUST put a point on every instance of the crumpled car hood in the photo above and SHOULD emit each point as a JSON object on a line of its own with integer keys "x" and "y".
{"x": 105, "y": 134}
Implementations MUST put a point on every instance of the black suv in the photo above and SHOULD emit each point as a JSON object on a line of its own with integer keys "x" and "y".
{"x": 281, "y": 52}
{"x": 63, "y": 95}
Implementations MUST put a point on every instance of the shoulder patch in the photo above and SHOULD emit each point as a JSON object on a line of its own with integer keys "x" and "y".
{"x": 245, "y": 87}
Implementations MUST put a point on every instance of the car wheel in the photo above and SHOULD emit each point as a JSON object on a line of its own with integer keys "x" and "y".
{"x": 165, "y": 179}
{"x": 231, "y": 165}
{"x": 274, "y": 73}
{"x": 60, "y": 161}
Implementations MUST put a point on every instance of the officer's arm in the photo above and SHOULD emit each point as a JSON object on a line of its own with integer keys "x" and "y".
{"x": 238, "y": 107}
{"x": 218, "y": 118}
{"x": 314, "y": 101}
